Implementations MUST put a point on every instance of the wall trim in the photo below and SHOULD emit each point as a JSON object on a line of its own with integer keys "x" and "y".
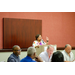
{"x": 25, "y": 49}
{"x": 10, "y": 50}
{"x": 62, "y": 48}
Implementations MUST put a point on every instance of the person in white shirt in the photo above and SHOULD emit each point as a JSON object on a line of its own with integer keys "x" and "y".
{"x": 47, "y": 55}
{"x": 68, "y": 55}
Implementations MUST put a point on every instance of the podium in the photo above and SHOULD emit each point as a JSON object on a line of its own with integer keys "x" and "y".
{"x": 44, "y": 48}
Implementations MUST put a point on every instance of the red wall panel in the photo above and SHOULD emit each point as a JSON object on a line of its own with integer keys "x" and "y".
{"x": 58, "y": 26}
{"x": 19, "y": 32}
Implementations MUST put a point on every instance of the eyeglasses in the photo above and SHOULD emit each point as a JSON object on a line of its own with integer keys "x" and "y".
{"x": 17, "y": 50}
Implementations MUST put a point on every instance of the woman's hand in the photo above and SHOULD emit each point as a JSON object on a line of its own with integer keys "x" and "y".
{"x": 47, "y": 39}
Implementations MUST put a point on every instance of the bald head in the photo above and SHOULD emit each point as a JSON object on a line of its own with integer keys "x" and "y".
{"x": 67, "y": 45}
{"x": 14, "y": 47}
{"x": 68, "y": 48}
{"x": 16, "y": 50}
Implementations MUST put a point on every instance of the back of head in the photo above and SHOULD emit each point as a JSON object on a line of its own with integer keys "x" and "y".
{"x": 57, "y": 57}
{"x": 31, "y": 51}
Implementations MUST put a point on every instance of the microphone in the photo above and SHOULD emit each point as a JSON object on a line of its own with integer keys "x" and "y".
{"x": 42, "y": 41}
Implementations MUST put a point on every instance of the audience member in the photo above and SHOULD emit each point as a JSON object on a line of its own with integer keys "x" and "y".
{"x": 47, "y": 55}
{"x": 68, "y": 55}
{"x": 14, "y": 57}
{"x": 31, "y": 54}
{"x": 39, "y": 41}
{"x": 57, "y": 57}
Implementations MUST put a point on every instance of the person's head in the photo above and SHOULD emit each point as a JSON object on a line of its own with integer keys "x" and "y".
{"x": 38, "y": 37}
{"x": 68, "y": 48}
{"x": 57, "y": 57}
{"x": 31, "y": 51}
{"x": 50, "y": 50}
{"x": 16, "y": 50}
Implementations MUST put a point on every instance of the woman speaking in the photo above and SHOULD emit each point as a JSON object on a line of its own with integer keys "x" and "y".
{"x": 39, "y": 41}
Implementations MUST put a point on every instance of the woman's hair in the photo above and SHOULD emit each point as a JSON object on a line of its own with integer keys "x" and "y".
{"x": 57, "y": 57}
{"x": 37, "y": 36}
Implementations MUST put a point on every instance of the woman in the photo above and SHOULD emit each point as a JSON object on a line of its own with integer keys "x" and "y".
{"x": 39, "y": 41}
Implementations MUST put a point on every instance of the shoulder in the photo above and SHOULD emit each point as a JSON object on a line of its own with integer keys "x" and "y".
{"x": 23, "y": 60}
{"x": 27, "y": 60}
{"x": 42, "y": 53}
{"x": 63, "y": 51}
{"x": 71, "y": 53}
{"x": 35, "y": 41}
{"x": 11, "y": 58}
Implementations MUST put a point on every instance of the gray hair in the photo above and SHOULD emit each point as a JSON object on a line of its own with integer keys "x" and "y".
{"x": 14, "y": 47}
{"x": 31, "y": 51}
{"x": 50, "y": 46}
{"x": 67, "y": 45}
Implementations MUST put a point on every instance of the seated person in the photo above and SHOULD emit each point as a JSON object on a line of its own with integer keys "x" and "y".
{"x": 57, "y": 57}
{"x": 31, "y": 54}
{"x": 39, "y": 41}
{"x": 68, "y": 55}
{"x": 14, "y": 57}
{"x": 47, "y": 55}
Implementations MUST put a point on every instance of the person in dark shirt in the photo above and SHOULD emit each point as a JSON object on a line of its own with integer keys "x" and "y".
{"x": 14, "y": 57}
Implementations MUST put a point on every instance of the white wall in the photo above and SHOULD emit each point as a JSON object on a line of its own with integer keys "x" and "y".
{"x": 4, "y": 55}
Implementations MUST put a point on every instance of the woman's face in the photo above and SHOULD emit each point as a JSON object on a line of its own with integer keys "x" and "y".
{"x": 39, "y": 38}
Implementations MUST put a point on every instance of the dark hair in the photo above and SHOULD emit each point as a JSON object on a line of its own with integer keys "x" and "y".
{"x": 57, "y": 57}
{"x": 37, "y": 36}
